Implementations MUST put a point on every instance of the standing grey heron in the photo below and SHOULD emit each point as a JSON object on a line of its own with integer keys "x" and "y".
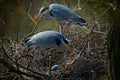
{"x": 62, "y": 14}
{"x": 48, "y": 39}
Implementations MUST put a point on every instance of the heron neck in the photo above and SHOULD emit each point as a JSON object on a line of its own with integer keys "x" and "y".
{"x": 48, "y": 16}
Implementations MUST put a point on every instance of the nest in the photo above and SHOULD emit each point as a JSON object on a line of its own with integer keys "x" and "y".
{"x": 89, "y": 66}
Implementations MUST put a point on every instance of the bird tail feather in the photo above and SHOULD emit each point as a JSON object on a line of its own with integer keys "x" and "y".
{"x": 27, "y": 42}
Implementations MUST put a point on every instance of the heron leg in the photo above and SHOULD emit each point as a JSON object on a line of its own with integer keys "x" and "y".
{"x": 61, "y": 30}
{"x": 67, "y": 30}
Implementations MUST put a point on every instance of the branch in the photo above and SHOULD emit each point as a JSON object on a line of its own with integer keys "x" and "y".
{"x": 89, "y": 36}
{"x": 11, "y": 65}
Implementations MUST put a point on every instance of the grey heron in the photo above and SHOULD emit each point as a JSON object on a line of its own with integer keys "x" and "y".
{"x": 48, "y": 39}
{"x": 62, "y": 14}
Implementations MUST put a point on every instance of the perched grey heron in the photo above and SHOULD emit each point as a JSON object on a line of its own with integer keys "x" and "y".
{"x": 62, "y": 14}
{"x": 48, "y": 39}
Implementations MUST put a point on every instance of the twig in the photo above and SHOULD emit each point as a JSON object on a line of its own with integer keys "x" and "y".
{"x": 78, "y": 3}
{"x": 103, "y": 13}
{"x": 8, "y": 62}
{"x": 19, "y": 70}
{"x": 22, "y": 57}
{"x": 92, "y": 32}
{"x": 31, "y": 18}
{"x": 18, "y": 65}
{"x": 34, "y": 28}
{"x": 84, "y": 4}
{"x": 5, "y": 60}
{"x": 99, "y": 32}
{"x": 83, "y": 49}
{"x": 35, "y": 23}
{"x": 89, "y": 36}
{"x": 28, "y": 13}
{"x": 29, "y": 64}
{"x": 50, "y": 67}
{"x": 30, "y": 8}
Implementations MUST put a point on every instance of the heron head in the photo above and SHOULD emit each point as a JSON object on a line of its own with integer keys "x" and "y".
{"x": 42, "y": 11}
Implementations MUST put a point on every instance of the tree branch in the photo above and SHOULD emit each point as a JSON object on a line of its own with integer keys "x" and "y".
{"x": 11, "y": 65}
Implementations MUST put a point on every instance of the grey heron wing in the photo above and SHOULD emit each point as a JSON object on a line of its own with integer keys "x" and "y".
{"x": 58, "y": 41}
{"x": 62, "y": 14}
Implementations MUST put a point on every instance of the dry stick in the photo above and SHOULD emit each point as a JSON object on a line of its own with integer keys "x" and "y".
{"x": 28, "y": 13}
{"x": 80, "y": 52}
{"x": 93, "y": 29}
{"x": 13, "y": 69}
{"x": 84, "y": 4}
{"x": 89, "y": 36}
{"x": 35, "y": 23}
{"x": 83, "y": 49}
{"x": 29, "y": 64}
{"x": 23, "y": 57}
{"x": 31, "y": 18}
{"x": 99, "y": 32}
{"x": 78, "y": 3}
{"x": 6, "y": 61}
{"x": 30, "y": 7}
{"x": 35, "y": 26}
{"x": 18, "y": 69}
{"x": 18, "y": 65}
{"x": 50, "y": 67}
{"x": 10, "y": 63}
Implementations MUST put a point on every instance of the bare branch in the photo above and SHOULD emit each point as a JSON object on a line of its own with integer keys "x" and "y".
{"x": 10, "y": 64}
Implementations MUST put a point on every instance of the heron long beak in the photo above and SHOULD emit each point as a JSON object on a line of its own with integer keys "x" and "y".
{"x": 37, "y": 16}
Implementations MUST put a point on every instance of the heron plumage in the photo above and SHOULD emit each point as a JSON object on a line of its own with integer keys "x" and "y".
{"x": 62, "y": 15}
{"x": 46, "y": 39}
